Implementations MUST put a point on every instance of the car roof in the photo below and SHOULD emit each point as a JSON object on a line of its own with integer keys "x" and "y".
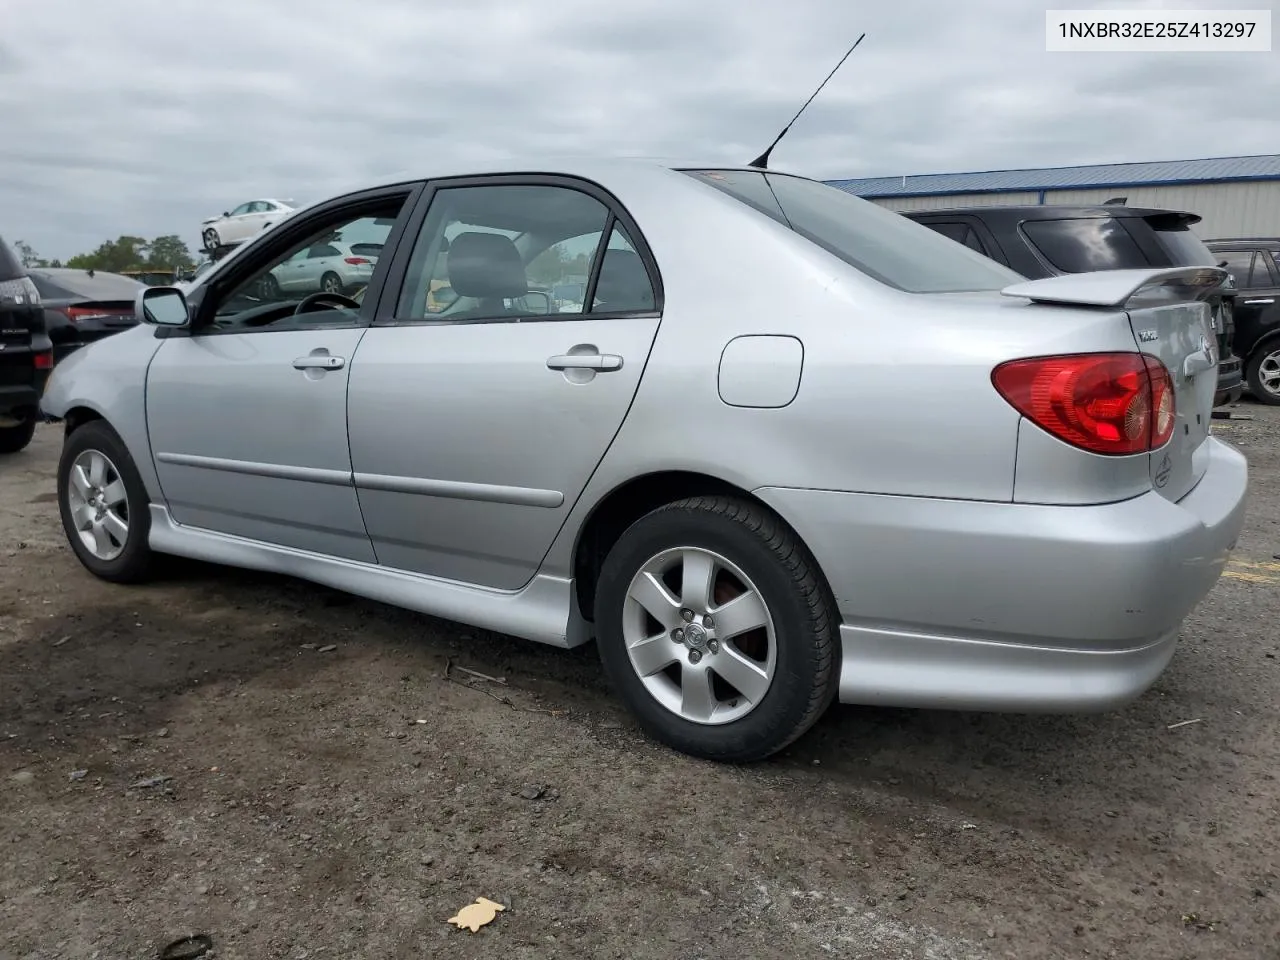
{"x": 610, "y": 170}
{"x": 1054, "y": 211}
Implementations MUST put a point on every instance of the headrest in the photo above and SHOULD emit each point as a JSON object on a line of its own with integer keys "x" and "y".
{"x": 486, "y": 265}
{"x": 624, "y": 282}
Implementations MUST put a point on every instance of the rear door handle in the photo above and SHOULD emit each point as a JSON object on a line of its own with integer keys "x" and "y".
{"x": 600, "y": 362}
{"x": 1263, "y": 300}
{"x": 322, "y": 362}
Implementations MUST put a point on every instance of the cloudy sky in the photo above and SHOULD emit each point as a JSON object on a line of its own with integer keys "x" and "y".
{"x": 144, "y": 116}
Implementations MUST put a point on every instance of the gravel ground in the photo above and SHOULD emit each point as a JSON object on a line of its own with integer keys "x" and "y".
{"x": 300, "y": 774}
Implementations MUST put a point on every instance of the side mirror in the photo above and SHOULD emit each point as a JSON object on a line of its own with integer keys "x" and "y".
{"x": 162, "y": 307}
{"x": 536, "y": 301}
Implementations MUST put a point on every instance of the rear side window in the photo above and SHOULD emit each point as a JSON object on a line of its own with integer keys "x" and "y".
{"x": 10, "y": 266}
{"x": 1249, "y": 270}
{"x": 1185, "y": 249}
{"x": 883, "y": 244}
{"x": 1082, "y": 245}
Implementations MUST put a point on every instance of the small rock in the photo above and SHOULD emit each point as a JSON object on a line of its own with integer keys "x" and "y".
{"x": 1113, "y": 814}
{"x": 58, "y": 643}
{"x": 894, "y": 781}
{"x": 148, "y": 782}
{"x": 23, "y": 776}
{"x": 991, "y": 933}
{"x": 162, "y": 732}
{"x": 328, "y": 648}
{"x": 305, "y": 837}
{"x": 308, "y": 646}
{"x": 79, "y": 774}
{"x": 427, "y": 860}
{"x": 817, "y": 762}
{"x": 531, "y": 791}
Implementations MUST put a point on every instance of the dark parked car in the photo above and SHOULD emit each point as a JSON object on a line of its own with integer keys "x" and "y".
{"x": 81, "y": 306}
{"x": 1051, "y": 239}
{"x": 1255, "y": 264}
{"x": 25, "y": 355}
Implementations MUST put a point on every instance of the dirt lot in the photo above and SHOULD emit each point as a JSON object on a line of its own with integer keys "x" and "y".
{"x": 333, "y": 793}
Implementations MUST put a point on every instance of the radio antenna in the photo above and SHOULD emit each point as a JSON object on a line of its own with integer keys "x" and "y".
{"x": 762, "y": 161}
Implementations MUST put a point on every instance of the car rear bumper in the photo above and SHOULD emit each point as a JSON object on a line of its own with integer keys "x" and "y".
{"x": 1001, "y": 606}
{"x": 25, "y": 398}
{"x": 1230, "y": 381}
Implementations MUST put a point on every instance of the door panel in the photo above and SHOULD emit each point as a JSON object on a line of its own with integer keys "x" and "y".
{"x": 469, "y": 450}
{"x": 246, "y": 443}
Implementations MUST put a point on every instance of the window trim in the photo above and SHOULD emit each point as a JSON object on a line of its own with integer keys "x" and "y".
{"x": 288, "y": 233}
{"x": 616, "y": 212}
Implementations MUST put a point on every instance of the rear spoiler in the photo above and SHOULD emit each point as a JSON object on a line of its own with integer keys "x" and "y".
{"x": 1114, "y": 288}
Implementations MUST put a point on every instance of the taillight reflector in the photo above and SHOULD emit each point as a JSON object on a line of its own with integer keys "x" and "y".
{"x": 356, "y": 261}
{"x": 1111, "y": 403}
{"x": 44, "y": 361}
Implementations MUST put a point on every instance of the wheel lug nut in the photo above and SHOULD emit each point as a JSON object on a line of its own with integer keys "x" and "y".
{"x": 686, "y": 615}
{"x": 677, "y": 634}
{"x": 713, "y": 646}
{"x": 709, "y": 621}
{"x": 695, "y": 656}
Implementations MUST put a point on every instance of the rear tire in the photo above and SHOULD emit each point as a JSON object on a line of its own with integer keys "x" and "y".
{"x": 211, "y": 240}
{"x": 15, "y": 438}
{"x": 104, "y": 505}
{"x": 767, "y": 685}
{"x": 331, "y": 283}
{"x": 1263, "y": 374}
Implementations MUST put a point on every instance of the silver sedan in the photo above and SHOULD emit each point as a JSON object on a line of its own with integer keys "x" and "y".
{"x": 716, "y": 465}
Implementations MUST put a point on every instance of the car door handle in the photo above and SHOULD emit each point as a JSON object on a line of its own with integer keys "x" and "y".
{"x": 600, "y": 362}
{"x": 322, "y": 362}
{"x": 1263, "y": 300}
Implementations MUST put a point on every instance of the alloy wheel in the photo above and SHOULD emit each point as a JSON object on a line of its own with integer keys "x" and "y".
{"x": 99, "y": 504}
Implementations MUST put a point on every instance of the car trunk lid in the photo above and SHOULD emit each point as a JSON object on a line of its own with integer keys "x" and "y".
{"x": 1171, "y": 321}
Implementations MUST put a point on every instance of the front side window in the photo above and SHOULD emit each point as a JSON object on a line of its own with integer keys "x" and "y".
{"x": 1239, "y": 263}
{"x": 512, "y": 250}
{"x": 314, "y": 264}
{"x": 240, "y": 210}
{"x": 1082, "y": 245}
{"x": 881, "y": 243}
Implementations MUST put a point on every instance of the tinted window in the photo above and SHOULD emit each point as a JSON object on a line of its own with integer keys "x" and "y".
{"x": 1079, "y": 246}
{"x": 10, "y": 266}
{"x": 1185, "y": 249}
{"x": 879, "y": 242}
{"x": 960, "y": 233}
{"x": 1238, "y": 263}
{"x": 492, "y": 244}
{"x": 624, "y": 282}
{"x": 323, "y": 250}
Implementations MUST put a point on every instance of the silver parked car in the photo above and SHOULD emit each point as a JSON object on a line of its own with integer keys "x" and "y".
{"x": 709, "y": 466}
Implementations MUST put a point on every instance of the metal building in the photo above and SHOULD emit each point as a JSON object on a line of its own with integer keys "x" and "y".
{"x": 1235, "y": 196}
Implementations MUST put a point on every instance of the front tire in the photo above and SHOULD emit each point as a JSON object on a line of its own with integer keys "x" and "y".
{"x": 1263, "y": 374}
{"x": 16, "y": 437}
{"x": 211, "y": 239}
{"x": 717, "y": 629}
{"x": 104, "y": 505}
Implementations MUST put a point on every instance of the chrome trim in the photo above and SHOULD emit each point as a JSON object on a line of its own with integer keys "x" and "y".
{"x": 459, "y": 490}
{"x": 277, "y": 471}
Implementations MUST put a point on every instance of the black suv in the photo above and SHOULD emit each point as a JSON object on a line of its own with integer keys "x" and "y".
{"x": 1256, "y": 266}
{"x": 1051, "y": 239}
{"x": 26, "y": 355}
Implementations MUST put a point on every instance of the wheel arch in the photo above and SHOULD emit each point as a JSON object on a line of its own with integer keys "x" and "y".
{"x": 627, "y": 503}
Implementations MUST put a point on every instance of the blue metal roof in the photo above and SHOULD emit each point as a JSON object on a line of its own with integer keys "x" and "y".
{"x": 1160, "y": 172}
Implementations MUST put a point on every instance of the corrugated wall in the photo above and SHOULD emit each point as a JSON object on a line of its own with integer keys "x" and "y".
{"x": 960, "y": 200}
{"x": 1227, "y": 209}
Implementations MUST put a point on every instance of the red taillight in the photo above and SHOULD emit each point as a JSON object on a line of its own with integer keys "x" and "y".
{"x": 356, "y": 261}
{"x": 76, "y": 314}
{"x": 1113, "y": 403}
{"x": 44, "y": 361}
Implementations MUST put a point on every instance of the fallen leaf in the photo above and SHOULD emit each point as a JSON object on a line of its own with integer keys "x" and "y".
{"x": 475, "y": 915}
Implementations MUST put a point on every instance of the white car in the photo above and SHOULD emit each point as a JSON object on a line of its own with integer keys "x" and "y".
{"x": 245, "y": 221}
{"x": 330, "y": 266}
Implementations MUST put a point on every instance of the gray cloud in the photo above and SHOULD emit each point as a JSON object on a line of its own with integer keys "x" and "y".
{"x": 124, "y": 118}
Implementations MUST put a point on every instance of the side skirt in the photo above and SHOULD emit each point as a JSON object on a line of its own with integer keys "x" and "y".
{"x": 543, "y": 610}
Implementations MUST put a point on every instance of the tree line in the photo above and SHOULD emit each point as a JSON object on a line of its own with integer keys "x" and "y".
{"x": 119, "y": 255}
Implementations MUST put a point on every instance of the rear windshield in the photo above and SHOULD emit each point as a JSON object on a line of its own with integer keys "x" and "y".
{"x": 10, "y": 266}
{"x": 877, "y": 241}
{"x": 1104, "y": 243}
{"x": 77, "y": 284}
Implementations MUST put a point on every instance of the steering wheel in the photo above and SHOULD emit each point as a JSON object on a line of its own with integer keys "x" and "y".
{"x": 336, "y": 301}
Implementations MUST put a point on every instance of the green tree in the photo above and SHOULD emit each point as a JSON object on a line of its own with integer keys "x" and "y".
{"x": 113, "y": 256}
{"x": 169, "y": 253}
{"x": 29, "y": 257}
